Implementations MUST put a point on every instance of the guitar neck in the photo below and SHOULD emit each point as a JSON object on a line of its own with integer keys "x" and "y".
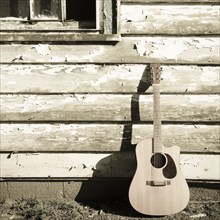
{"x": 157, "y": 134}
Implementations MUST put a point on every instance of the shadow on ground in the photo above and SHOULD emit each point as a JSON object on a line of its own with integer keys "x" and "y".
{"x": 116, "y": 189}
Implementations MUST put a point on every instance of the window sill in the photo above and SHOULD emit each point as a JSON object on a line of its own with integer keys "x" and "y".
{"x": 39, "y": 36}
{"x": 24, "y": 25}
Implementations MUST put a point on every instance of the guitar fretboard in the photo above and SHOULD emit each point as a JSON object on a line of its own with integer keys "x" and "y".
{"x": 157, "y": 135}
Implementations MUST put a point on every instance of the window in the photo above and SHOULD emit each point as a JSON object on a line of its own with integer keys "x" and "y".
{"x": 79, "y": 19}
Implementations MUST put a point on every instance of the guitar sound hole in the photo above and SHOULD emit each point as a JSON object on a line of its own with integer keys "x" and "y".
{"x": 158, "y": 160}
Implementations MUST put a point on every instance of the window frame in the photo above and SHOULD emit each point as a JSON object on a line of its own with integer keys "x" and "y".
{"x": 107, "y": 27}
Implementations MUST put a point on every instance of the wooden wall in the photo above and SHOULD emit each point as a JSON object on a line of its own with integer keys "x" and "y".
{"x": 78, "y": 110}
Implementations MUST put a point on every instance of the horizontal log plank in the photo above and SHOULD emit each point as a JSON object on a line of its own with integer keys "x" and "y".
{"x": 91, "y": 78}
{"x": 194, "y": 166}
{"x": 99, "y": 107}
{"x": 184, "y": 50}
{"x": 104, "y": 137}
{"x": 170, "y": 19}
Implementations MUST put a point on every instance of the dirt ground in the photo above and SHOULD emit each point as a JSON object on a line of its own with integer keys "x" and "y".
{"x": 204, "y": 204}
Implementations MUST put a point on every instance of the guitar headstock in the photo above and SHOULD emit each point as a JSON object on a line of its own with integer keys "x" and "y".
{"x": 155, "y": 71}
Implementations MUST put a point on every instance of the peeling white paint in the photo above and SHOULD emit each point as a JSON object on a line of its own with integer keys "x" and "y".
{"x": 169, "y": 76}
{"x": 18, "y": 57}
{"x": 190, "y": 161}
{"x": 200, "y": 43}
{"x": 140, "y": 47}
{"x": 89, "y": 56}
{"x": 55, "y": 71}
{"x": 89, "y": 99}
{"x": 89, "y": 68}
{"x": 42, "y": 49}
{"x": 209, "y": 74}
{"x": 102, "y": 79}
{"x": 175, "y": 49}
{"x": 11, "y": 82}
{"x": 172, "y": 48}
{"x": 203, "y": 99}
{"x": 192, "y": 86}
{"x": 149, "y": 48}
{"x": 57, "y": 59}
{"x": 31, "y": 129}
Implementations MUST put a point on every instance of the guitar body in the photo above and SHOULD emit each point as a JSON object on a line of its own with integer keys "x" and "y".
{"x": 158, "y": 186}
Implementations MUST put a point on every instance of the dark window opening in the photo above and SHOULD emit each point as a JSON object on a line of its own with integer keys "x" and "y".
{"x": 81, "y": 10}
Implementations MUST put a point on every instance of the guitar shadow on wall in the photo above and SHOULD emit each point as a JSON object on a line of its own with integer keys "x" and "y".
{"x": 116, "y": 189}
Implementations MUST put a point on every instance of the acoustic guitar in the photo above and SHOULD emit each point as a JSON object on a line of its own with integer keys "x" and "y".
{"x": 158, "y": 187}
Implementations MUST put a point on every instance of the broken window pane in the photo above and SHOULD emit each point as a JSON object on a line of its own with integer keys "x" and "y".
{"x": 10, "y": 9}
{"x": 45, "y": 9}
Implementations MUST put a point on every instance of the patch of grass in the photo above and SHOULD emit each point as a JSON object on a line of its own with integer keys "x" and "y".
{"x": 34, "y": 209}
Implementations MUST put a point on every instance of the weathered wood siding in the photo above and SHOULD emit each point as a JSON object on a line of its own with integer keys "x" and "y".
{"x": 76, "y": 110}
{"x": 97, "y": 165}
{"x": 72, "y": 137}
{"x": 170, "y": 19}
{"x": 93, "y": 78}
{"x": 140, "y": 49}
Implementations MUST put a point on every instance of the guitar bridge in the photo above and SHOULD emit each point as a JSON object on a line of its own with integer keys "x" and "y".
{"x": 158, "y": 183}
